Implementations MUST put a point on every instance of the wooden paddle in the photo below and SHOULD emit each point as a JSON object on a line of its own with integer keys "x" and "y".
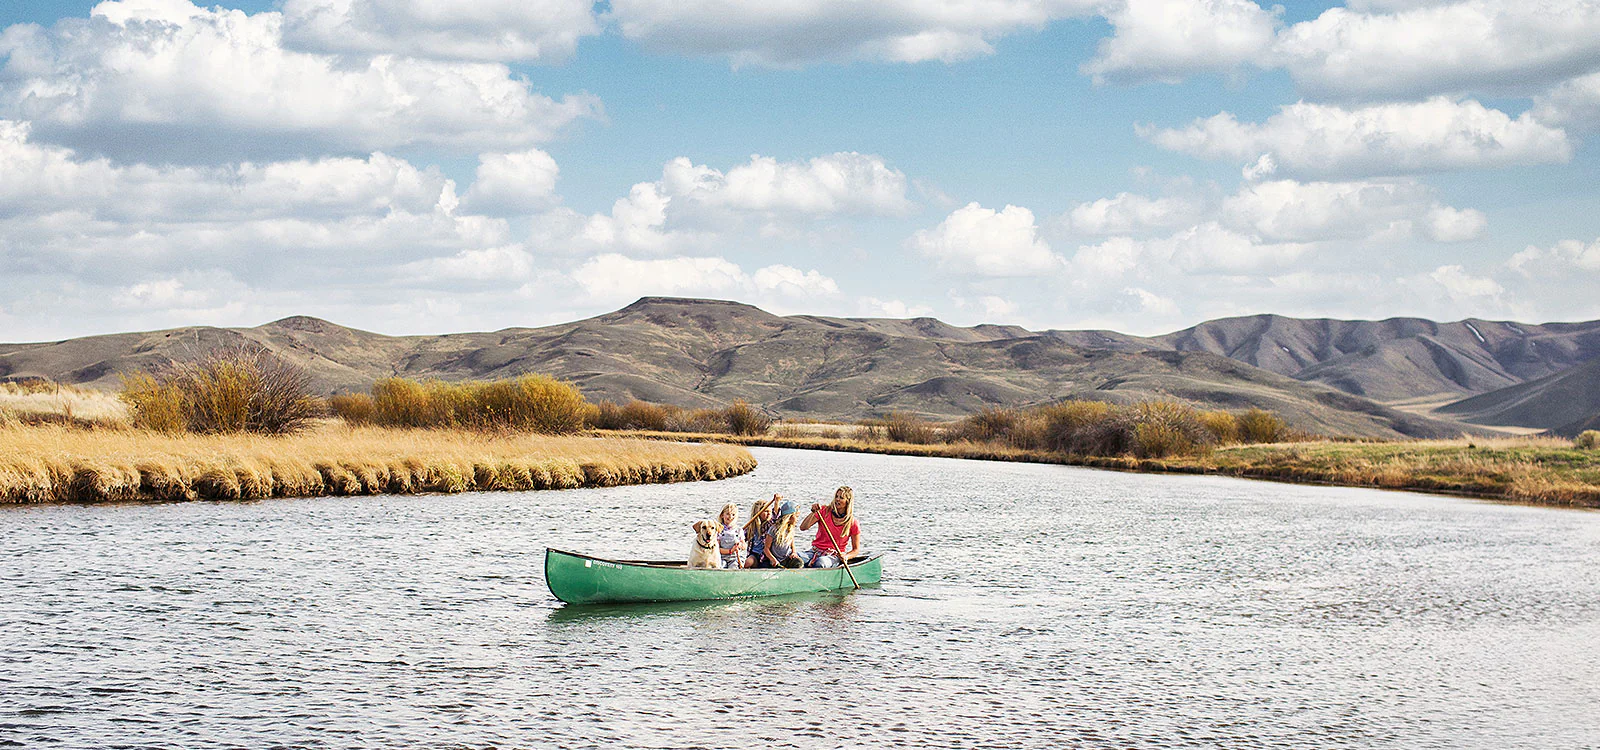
{"x": 844, "y": 557}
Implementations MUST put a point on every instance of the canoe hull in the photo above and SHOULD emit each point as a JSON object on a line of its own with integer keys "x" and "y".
{"x": 580, "y": 579}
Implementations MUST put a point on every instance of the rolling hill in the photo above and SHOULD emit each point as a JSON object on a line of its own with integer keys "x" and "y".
{"x": 1399, "y": 358}
{"x": 1567, "y": 402}
{"x": 708, "y": 353}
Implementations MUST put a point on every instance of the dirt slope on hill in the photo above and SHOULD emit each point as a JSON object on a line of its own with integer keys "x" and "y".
{"x": 708, "y": 353}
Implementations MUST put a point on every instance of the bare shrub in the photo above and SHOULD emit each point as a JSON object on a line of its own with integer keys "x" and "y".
{"x": 529, "y": 403}
{"x": 1081, "y": 427}
{"x": 154, "y": 405}
{"x": 987, "y": 426}
{"x": 1588, "y": 440}
{"x": 643, "y": 415}
{"x": 401, "y": 402}
{"x": 605, "y": 416}
{"x": 744, "y": 419}
{"x": 353, "y": 408}
{"x": 904, "y": 427}
{"x": 1224, "y": 427}
{"x": 1167, "y": 428}
{"x": 233, "y": 390}
{"x": 1260, "y": 426}
{"x": 696, "y": 420}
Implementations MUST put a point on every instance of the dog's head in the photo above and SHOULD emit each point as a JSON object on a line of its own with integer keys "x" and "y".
{"x": 705, "y": 532}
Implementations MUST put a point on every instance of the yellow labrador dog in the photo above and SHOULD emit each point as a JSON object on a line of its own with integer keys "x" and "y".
{"x": 704, "y": 553}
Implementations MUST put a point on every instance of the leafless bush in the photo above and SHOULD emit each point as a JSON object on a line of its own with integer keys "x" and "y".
{"x": 244, "y": 389}
{"x": 744, "y": 419}
{"x": 904, "y": 427}
{"x": 1260, "y": 426}
{"x": 530, "y": 403}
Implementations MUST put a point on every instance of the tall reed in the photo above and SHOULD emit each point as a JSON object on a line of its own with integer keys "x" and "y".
{"x": 740, "y": 418}
{"x": 530, "y": 403}
{"x": 39, "y": 401}
{"x": 56, "y": 464}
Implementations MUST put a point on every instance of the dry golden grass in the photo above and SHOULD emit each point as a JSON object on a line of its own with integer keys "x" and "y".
{"x": 56, "y": 464}
{"x": 41, "y": 403}
{"x": 1541, "y": 470}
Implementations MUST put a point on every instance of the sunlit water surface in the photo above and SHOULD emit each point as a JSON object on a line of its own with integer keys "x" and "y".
{"x": 1022, "y": 606}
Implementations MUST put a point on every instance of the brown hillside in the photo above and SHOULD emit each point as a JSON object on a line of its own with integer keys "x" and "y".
{"x": 1567, "y": 398}
{"x": 709, "y": 353}
{"x": 1399, "y": 358}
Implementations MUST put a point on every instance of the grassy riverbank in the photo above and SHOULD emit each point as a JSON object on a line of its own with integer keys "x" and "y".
{"x": 52, "y": 463}
{"x": 1545, "y": 471}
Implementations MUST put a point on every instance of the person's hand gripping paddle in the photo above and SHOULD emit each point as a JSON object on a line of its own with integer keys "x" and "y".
{"x": 844, "y": 557}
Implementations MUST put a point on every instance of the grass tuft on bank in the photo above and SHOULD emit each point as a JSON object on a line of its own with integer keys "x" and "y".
{"x": 52, "y": 463}
{"x": 1544, "y": 471}
{"x": 40, "y": 402}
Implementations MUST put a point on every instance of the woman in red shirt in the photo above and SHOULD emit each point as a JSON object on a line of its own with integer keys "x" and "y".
{"x": 839, "y": 518}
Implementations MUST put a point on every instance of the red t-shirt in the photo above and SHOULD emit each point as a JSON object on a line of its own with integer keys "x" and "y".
{"x": 822, "y": 542}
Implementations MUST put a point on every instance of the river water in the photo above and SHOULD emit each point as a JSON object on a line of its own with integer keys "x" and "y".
{"x": 1022, "y": 606}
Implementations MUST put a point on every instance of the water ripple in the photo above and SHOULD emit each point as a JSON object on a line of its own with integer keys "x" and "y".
{"x": 1023, "y": 606}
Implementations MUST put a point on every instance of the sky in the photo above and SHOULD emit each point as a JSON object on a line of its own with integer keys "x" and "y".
{"x": 427, "y": 166}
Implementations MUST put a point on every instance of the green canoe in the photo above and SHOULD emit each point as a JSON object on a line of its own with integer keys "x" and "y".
{"x": 580, "y": 579}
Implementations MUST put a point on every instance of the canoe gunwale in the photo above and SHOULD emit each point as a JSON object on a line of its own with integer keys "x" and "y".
{"x": 859, "y": 559}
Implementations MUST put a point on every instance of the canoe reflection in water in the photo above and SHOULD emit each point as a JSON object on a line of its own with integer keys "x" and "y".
{"x": 582, "y": 579}
{"x": 829, "y": 605}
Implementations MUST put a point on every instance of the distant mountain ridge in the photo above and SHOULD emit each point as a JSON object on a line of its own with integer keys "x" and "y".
{"x": 1318, "y": 373}
{"x": 1397, "y": 358}
{"x": 1567, "y": 402}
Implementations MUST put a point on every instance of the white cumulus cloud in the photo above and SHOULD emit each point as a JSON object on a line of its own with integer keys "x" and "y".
{"x": 490, "y": 264}
{"x": 1129, "y": 213}
{"x": 1460, "y": 285}
{"x": 1286, "y": 210}
{"x": 987, "y": 242}
{"x": 509, "y": 184}
{"x": 1573, "y": 104}
{"x": 795, "y": 33}
{"x": 793, "y": 282}
{"x": 1208, "y": 248}
{"x": 171, "y": 81}
{"x": 1563, "y": 256}
{"x": 833, "y": 184}
{"x": 1450, "y": 224}
{"x": 1414, "y": 49}
{"x": 41, "y": 179}
{"x": 1168, "y": 40}
{"x": 692, "y": 203}
{"x": 613, "y": 278}
{"x": 1382, "y": 139}
{"x": 483, "y": 30}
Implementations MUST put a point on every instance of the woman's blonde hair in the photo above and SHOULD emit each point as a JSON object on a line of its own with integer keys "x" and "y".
{"x": 849, "y": 518}
{"x": 783, "y": 535}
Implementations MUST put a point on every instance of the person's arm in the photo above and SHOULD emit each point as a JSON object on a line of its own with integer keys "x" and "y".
{"x": 811, "y": 518}
{"x": 766, "y": 552}
{"x": 855, "y": 543}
